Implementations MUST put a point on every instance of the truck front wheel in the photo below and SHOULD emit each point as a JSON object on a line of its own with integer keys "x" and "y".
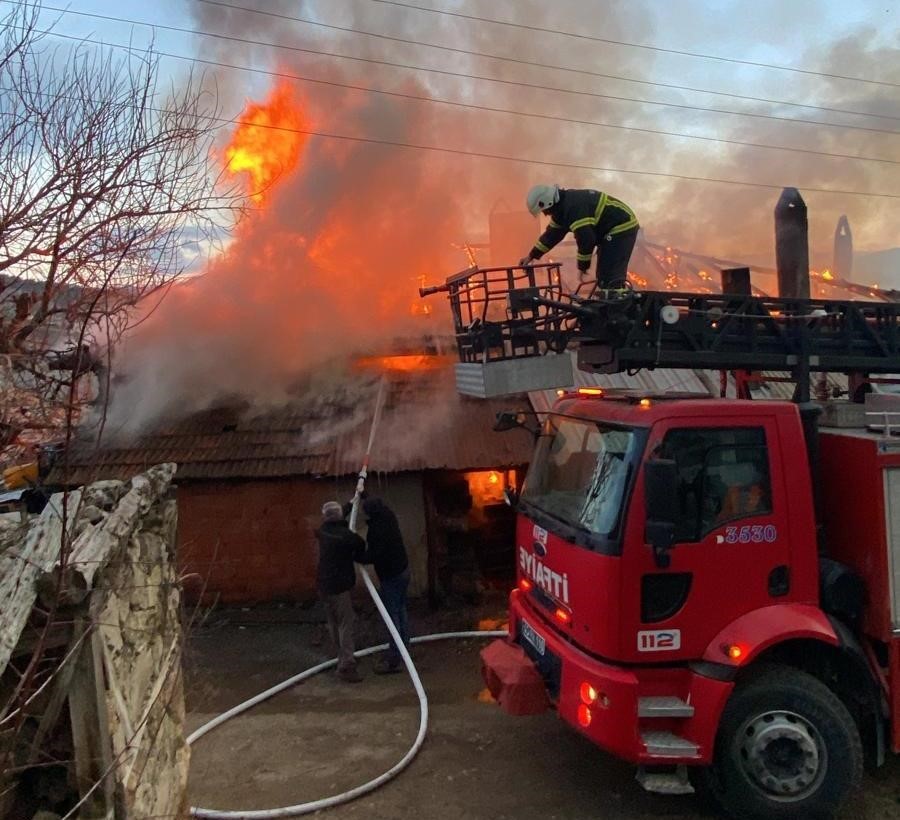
{"x": 786, "y": 748}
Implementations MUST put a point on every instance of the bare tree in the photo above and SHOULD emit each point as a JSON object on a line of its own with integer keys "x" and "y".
{"x": 108, "y": 188}
{"x": 108, "y": 183}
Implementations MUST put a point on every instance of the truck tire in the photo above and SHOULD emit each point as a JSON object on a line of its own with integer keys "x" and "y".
{"x": 787, "y": 748}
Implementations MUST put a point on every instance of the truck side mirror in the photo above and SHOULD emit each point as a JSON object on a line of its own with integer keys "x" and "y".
{"x": 661, "y": 503}
{"x": 513, "y": 419}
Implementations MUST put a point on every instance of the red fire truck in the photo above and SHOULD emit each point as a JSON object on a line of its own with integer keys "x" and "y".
{"x": 707, "y": 587}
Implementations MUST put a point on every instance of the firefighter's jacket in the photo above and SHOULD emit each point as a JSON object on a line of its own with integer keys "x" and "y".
{"x": 591, "y": 216}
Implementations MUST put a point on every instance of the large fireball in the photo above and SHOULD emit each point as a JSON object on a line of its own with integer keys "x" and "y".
{"x": 266, "y": 143}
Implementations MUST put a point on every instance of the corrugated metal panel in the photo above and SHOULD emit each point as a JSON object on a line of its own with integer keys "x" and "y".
{"x": 425, "y": 425}
{"x": 660, "y": 380}
{"x": 671, "y": 380}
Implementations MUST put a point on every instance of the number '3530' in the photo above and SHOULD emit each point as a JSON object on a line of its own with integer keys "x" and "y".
{"x": 751, "y": 534}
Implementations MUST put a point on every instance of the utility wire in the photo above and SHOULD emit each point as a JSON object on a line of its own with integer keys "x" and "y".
{"x": 225, "y": 121}
{"x": 660, "y": 49}
{"x": 486, "y": 108}
{"x": 531, "y": 161}
{"x": 536, "y": 64}
{"x": 457, "y": 74}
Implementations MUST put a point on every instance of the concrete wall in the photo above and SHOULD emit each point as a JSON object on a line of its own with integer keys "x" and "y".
{"x": 402, "y": 492}
{"x": 253, "y": 541}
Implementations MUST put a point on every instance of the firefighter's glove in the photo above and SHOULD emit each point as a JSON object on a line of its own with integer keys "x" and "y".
{"x": 584, "y": 275}
{"x": 525, "y": 260}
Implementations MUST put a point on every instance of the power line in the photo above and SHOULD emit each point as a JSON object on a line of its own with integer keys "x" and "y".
{"x": 660, "y": 49}
{"x": 462, "y": 75}
{"x": 486, "y": 108}
{"x": 548, "y": 163}
{"x": 223, "y": 121}
{"x": 536, "y": 64}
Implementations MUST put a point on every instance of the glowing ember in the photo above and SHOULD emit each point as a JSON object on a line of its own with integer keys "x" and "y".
{"x": 639, "y": 281}
{"x": 420, "y": 307}
{"x": 258, "y": 148}
{"x": 404, "y": 364}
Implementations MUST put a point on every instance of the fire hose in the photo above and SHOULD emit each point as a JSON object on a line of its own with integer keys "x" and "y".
{"x": 400, "y": 765}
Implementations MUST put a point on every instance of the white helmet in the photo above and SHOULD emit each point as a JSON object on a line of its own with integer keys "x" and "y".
{"x": 541, "y": 197}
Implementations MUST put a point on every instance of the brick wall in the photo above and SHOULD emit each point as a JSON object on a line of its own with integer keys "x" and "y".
{"x": 253, "y": 541}
{"x": 250, "y": 541}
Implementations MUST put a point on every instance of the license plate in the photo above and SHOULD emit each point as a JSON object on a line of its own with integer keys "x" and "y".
{"x": 529, "y": 634}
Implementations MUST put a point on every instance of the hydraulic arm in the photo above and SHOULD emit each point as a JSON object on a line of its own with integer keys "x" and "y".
{"x": 515, "y": 313}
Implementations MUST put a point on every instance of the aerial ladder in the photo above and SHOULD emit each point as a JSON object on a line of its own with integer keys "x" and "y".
{"x": 508, "y": 319}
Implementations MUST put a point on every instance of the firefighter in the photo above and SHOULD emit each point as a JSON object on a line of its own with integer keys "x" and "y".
{"x": 746, "y": 496}
{"x": 596, "y": 219}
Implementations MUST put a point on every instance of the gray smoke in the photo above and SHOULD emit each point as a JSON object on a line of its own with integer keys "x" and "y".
{"x": 331, "y": 265}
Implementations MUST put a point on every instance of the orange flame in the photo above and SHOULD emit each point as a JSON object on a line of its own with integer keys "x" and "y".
{"x": 266, "y": 143}
{"x": 403, "y": 363}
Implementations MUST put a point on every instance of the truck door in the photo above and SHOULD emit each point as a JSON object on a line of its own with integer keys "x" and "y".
{"x": 732, "y": 552}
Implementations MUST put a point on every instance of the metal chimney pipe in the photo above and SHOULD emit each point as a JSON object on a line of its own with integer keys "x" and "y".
{"x": 842, "y": 262}
{"x": 737, "y": 281}
{"x": 792, "y": 245}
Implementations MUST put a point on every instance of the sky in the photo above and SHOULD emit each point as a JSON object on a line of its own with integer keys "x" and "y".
{"x": 830, "y": 36}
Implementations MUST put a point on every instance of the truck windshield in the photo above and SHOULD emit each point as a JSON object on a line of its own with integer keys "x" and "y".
{"x": 579, "y": 472}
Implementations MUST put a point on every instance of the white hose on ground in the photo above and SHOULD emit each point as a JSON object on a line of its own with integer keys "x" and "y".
{"x": 358, "y": 791}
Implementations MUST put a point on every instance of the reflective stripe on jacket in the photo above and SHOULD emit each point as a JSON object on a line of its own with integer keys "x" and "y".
{"x": 591, "y": 216}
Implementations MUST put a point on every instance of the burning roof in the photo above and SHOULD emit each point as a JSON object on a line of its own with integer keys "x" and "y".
{"x": 323, "y": 432}
{"x": 655, "y": 266}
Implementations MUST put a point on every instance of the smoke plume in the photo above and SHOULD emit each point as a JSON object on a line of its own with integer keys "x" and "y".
{"x": 329, "y": 262}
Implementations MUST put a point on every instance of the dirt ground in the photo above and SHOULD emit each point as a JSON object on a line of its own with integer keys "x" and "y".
{"x": 323, "y": 736}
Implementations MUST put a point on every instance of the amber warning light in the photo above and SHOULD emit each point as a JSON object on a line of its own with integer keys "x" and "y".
{"x": 734, "y": 652}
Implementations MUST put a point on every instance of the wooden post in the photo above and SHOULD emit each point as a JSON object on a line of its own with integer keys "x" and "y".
{"x": 64, "y": 675}
{"x": 431, "y": 538}
{"x": 90, "y": 732}
{"x": 792, "y": 245}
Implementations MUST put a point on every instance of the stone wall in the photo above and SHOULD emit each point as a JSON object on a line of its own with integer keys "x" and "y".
{"x": 140, "y": 630}
{"x": 108, "y": 706}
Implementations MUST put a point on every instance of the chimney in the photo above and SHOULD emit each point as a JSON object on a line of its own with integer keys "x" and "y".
{"x": 842, "y": 263}
{"x": 736, "y": 281}
{"x": 792, "y": 245}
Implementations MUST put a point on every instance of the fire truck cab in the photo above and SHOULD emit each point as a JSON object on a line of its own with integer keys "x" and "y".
{"x": 672, "y": 597}
{"x": 707, "y": 587}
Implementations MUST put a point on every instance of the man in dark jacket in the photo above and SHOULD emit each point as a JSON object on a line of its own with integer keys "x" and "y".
{"x": 597, "y": 221}
{"x": 339, "y": 546}
{"x": 386, "y": 551}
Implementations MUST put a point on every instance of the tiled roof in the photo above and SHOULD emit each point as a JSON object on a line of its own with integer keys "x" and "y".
{"x": 425, "y": 425}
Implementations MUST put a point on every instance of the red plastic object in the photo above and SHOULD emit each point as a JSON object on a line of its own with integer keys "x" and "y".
{"x": 513, "y": 679}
